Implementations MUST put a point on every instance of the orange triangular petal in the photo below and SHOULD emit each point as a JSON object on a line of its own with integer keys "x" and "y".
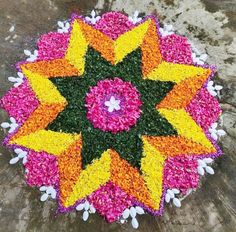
{"x": 130, "y": 180}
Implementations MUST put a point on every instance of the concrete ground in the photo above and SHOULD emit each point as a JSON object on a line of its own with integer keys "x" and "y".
{"x": 211, "y": 25}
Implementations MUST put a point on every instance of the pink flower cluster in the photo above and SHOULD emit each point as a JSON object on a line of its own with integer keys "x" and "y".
{"x": 52, "y": 45}
{"x": 204, "y": 109}
{"x": 181, "y": 173}
{"x": 116, "y": 121}
{"x": 176, "y": 49}
{"x": 110, "y": 201}
{"x": 41, "y": 169}
{"x": 114, "y": 24}
{"x": 20, "y": 102}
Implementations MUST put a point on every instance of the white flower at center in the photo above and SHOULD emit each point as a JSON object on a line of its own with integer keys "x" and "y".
{"x": 112, "y": 104}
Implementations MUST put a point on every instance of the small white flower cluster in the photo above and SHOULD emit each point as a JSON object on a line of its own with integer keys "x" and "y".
{"x": 203, "y": 166}
{"x": 132, "y": 212}
{"x": 17, "y": 80}
{"x": 199, "y": 59}
{"x": 48, "y": 191}
{"x": 213, "y": 90}
{"x": 32, "y": 56}
{"x": 12, "y": 125}
{"x": 166, "y": 30}
{"x": 88, "y": 209}
{"x": 135, "y": 19}
{"x": 20, "y": 155}
{"x": 93, "y": 19}
{"x": 63, "y": 27}
{"x": 170, "y": 195}
{"x": 112, "y": 104}
{"x": 215, "y": 134}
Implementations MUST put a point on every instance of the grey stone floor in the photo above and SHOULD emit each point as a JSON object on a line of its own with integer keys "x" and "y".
{"x": 211, "y": 25}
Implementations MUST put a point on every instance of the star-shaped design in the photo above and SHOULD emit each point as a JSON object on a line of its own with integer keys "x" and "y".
{"x": 73, "y": 118}
{"x": 189, "y": 140}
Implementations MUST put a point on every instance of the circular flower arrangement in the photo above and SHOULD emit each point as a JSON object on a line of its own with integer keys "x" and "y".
{"x": 113, "y": 114}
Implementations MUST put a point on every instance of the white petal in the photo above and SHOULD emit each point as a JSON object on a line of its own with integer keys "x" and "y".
{"x": 17, "y": 84}
{"x": 136, "y": 13}
{"x": 204, "y": 57}
{"x": 53, "y": 194}
{"x": 177, "y": 202}
{"x": 130, "y": 19}
{"x": 175, "y": 191}
{"x": 18, "y": 150}
{"x": 92, "y": 209}
{"x": 12, "y": 128}
{"x": 170, "y": 192}
{"x": 210, "y": 83}
{"x": 30, "y": 59}
{"x": 200, "y": 62}
{"x": 93, "y": 13}
{"x": 24, "y": 160}
{"x": 97, "y": 18}
{"x": 93, "y": 20}
{"x": 221, "y": 132}
{"x": 22, "y": 154}
{"x": 112, "y": 100}
{"x": 117, "y": 107}
{"x": 212, "y": 130}
{"x": 213, "y": 93}
{"x": 12, "y": 120}
{"x": 36, "y": 53}
{"x": 86, "y": 205}
{"x": 44, "y": 197}
{"x": 165, "y": 33}
{"x": 218, "y": 87}
{"x": 214, "y": 136}
{"x": 138, "y": 20}
{"x": 110, "y": 109}
{"x": 210, "y": 88}
{"x": 122, "y": 221}
{"x": 43, "y": 188}
{"x": 161, "y": 30}
{"x": 132, "y": 212}
{"x": 107, "y": 103}
{"x": 201, "y": 163}
{"x": 14, "y": 160}
{"x": 49, "y": 190}
{"x": 87, "y": 18}
{"x": 27, "y": 52}
{"x": 19, "y": 80}
{"x": 125, "y": 214}
{"x": 168, "y": 27}
{"x": 200, "y": 170}
{"x": 208, "y": 160}
{"x": 134, "y": 223}
{"x": 80, "y": 207}
{"x": 60, "y": 30}
{"x": 139, "y": 210}
{"x": 210, "y": 170}
{"x": 12, "y": 79}
{"x": 60, "y": 24}
{"x": 85, "y": 215}
{"x": 214, "y": 125}
{"x": 167, "y": 198}
{"x": 67, "y": 26}
{"x": 5, "y": 125}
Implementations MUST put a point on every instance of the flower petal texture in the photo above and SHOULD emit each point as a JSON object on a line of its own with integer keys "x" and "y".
{"x": 114, "y": 117}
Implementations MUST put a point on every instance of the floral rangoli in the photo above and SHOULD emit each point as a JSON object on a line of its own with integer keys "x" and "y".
{"x": 113, "y": 114}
